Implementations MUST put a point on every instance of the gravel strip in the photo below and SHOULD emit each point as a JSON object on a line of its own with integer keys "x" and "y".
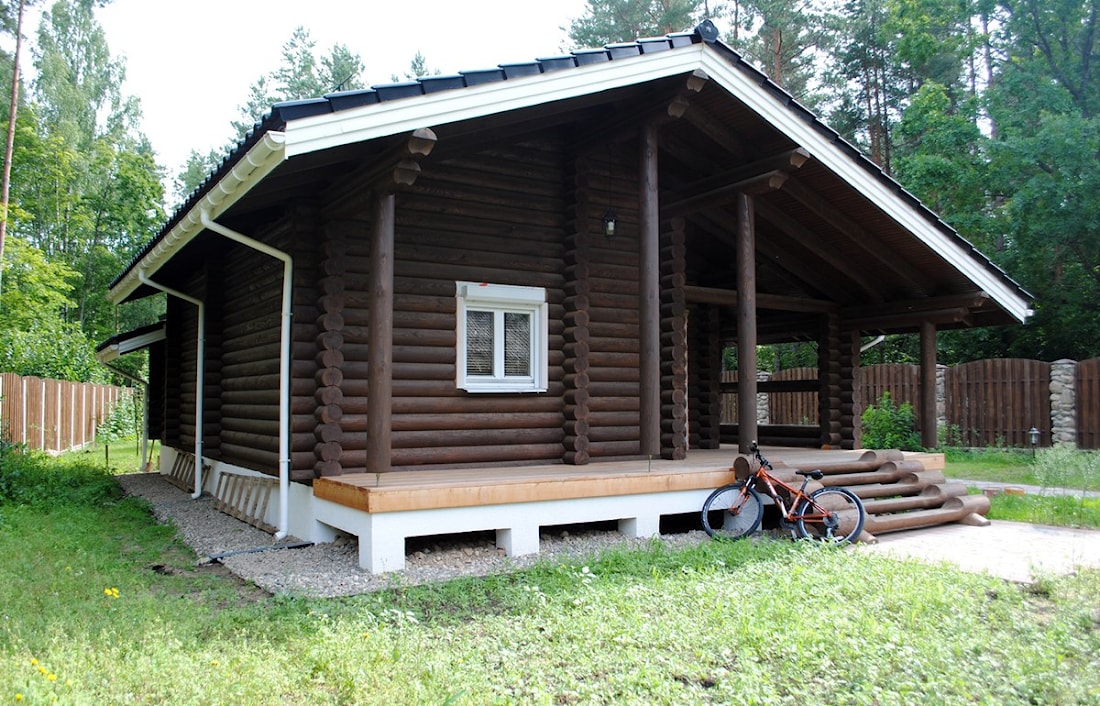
{"x": 326, "y": 570}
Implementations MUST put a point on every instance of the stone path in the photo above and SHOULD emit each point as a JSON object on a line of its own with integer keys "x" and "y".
{"x": 1015, "y": 551}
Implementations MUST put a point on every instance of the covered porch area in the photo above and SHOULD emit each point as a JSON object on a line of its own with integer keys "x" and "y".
{"x": 384, "y": 509}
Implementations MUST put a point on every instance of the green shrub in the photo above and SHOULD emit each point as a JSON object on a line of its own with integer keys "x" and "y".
{"x": 888, "y": 426}
{"x": 122, "y": 422}
{"x": 1066, "y": 467}
{"x": 32, "y": 478}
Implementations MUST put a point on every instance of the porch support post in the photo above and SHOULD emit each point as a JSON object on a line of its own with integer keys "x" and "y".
{"x": 746, "y": 323}
{"x": 650, "y": 293}
{"x": 928, "y": 384}
{"x": 380, "y": 355}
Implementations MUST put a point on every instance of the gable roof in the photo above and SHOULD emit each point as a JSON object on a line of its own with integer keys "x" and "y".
{"x": 295, "y": 132}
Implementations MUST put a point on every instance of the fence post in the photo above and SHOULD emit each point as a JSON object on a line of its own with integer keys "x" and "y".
{"x": 1063, "y": 402}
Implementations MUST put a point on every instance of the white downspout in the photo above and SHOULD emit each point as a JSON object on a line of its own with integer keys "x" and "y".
{"x": 200, "y": 372}
{"x": 284, "y": 361}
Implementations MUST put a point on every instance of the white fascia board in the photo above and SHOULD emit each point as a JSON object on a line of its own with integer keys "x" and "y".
{"x": 765, "y": 104}
{"x": 250, "y": 169}
{"x": 138, "y": 342}
{"x": 369, "y": 122}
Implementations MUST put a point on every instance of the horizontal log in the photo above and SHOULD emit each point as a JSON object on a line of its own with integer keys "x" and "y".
{"x": 327, "y": 469}
{"x": 576, "y": 458}
{"x": 472, "y": 421}
{"x": 609, "y": 450}
{"x": 476, "y": 437}
{"x": 575, "y": 443}
{"x": 601, "y": 433}
{"x": 549, "y": 453}
{"x": 474, "y": 404}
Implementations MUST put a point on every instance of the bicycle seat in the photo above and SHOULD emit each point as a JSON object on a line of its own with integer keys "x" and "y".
{"x": 815, "y": 474}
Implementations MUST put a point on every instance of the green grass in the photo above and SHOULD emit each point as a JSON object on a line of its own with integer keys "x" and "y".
{"x": 750, "y": 622}
{"x": 1049, "y": 468}
{"x": 1059, "y": 510}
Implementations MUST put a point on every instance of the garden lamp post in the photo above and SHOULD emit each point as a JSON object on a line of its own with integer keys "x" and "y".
{"x": 1033, "y": 435}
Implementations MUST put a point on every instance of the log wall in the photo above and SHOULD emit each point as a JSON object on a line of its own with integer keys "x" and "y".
{"x": 497, "y": 216}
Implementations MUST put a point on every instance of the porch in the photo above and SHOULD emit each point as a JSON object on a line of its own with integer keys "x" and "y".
{"x": 384, "y": 509}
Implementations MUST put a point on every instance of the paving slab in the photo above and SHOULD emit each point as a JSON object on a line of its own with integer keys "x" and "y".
{"x": 1015, "y": 551}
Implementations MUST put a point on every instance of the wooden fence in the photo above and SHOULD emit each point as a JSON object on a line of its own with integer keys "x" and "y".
{"x": 1087, "y": 401}
{"x": 985, "y": 403}
{"x": 53, "y": 415}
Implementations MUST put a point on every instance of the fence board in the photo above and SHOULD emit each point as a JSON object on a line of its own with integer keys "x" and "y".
{"x": 794, "y": 407}
{"x": 997, "y": 402}
{"x": 53, "y": 415}
{"x": 1087, "y": 401}
{"x": 902, "y": 381}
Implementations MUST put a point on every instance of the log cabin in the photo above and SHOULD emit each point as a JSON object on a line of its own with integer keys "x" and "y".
{"x": 445, "y": 284}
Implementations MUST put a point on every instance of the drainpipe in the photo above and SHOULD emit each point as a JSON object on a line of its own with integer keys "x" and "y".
{"x": 200, "y": 372}
{"x": 871, "y": 344}
{"x": 284, "y": 361}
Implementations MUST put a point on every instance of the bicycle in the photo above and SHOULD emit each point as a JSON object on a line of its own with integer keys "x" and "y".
{"x": 735, "y": 511}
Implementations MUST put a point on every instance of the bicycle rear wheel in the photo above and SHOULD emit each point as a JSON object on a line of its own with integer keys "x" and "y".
{"x": 732, "y": 512}
{"x": 832, "y": 514}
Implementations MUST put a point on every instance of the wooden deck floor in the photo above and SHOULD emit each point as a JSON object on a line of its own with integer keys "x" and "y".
{"x": 475, "y": 487}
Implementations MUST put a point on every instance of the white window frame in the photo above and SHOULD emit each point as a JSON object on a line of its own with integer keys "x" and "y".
{"x": 500, "y": 299}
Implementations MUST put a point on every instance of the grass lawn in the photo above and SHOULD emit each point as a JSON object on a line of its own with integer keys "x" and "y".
{"x": 99, "y": 604}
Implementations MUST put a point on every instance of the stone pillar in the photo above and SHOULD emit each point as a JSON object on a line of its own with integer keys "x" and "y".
{"x": 1063, "y": 403}
{"x": 763, "y": 411}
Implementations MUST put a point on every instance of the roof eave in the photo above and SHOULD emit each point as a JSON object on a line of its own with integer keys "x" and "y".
{"x": 319, "y": 132}
{"x": 250, "y": 169}
{"x": 881, "y": 190}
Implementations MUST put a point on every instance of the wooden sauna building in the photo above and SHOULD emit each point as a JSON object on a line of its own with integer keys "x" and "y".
{"x": 535, "y": 265}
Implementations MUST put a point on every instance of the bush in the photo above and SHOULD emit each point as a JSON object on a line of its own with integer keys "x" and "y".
{"x": 35, "y": 479}
{"x": 1065, "y": 467}
{"x": 888, "y": 426}
{"x": 123, "y": 421}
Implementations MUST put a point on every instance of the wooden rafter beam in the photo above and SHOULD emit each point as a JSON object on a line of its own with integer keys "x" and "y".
{"x": 796, "y": 275}
{"x": 716, "y": 131}
{"x": 793, "y": 272}
{"x": 665, "y": 107}
{"x": 754, "y": 185}
{"x": 398, "y": 167}
{"x": 971, "y": 301}
{"x": 756, "y": 177}
{"x": 809, "y": 240}
{"x": 906, "y": 321}
{"x": 858, "y": 235}
{"x": 728, "y": 297}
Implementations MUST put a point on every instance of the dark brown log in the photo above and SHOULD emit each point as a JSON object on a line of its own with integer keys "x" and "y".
{"x": 326, "y": 469}
{"x": 575, "y": 381}
{"x": 329, "y": 396}
{"x": 329, "y": 451}
{"x": 477, "y": 454}
{"x": 577, "y": 427}
{"x": 576, "y": 458}
{"x": 328, "y": 414}
{"x": 422, "y": 422}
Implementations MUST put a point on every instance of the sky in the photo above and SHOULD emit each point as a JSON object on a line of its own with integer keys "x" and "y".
{"x": 191, "y": 63}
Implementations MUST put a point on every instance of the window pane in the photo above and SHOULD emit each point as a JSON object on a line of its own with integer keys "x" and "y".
{"x": 517, "y": 344}
{"x": 479, "y": 343}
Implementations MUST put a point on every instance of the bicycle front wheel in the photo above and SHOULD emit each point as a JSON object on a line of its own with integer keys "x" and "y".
{"x": 732, "y": 512}
{"x": 833, "y": 514}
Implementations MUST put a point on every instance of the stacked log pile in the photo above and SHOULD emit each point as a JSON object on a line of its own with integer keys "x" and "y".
{"x": 898, "y": 493}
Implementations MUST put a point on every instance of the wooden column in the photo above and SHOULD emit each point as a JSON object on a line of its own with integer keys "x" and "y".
{"x": 380, "y": 354}
{"x": 928, "y": 385}
{"x": 649, "y": 293}
{"x": 746, "y": 323}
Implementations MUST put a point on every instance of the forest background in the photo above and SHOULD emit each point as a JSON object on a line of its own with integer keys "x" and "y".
{"x": 986, "y": 110}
